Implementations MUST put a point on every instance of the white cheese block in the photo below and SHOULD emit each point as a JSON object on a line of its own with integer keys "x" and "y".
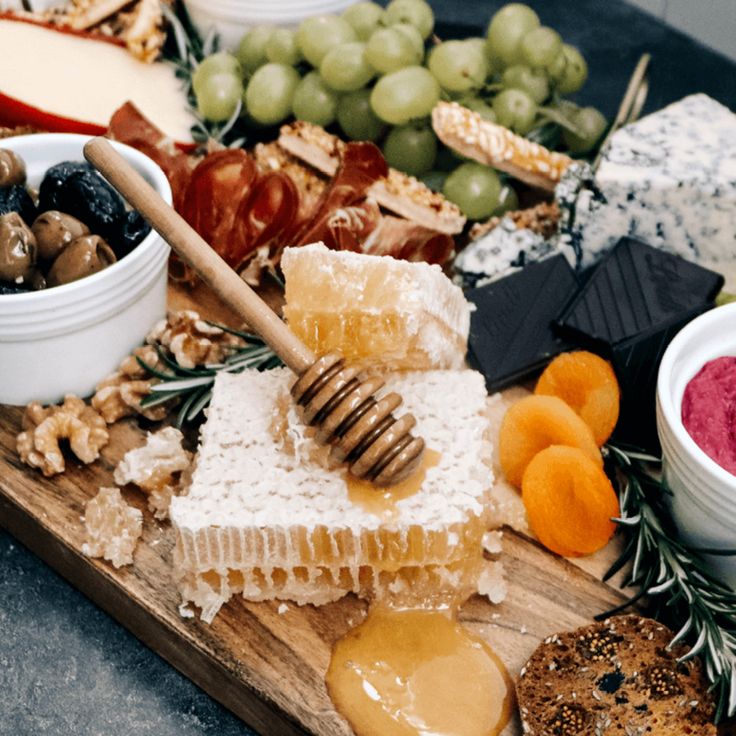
{"x": 669, "y": 180}
{"x": 85, "y": 80}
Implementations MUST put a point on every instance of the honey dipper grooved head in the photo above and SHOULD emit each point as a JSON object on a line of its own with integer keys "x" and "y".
{"x": 362, "y": 429}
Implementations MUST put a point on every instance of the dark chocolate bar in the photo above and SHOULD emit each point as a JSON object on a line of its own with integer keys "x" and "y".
{"x": 511, "y": 335}
{"x": 635, "y": 290}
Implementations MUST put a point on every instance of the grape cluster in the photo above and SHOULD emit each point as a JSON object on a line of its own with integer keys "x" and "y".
{"x": 375, "y": 74}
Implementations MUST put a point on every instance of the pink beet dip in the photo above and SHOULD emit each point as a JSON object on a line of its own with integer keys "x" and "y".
{"x": 709, "y": 410}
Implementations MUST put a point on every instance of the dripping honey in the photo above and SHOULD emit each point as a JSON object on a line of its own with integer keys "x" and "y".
{"x": 416, "y": 673}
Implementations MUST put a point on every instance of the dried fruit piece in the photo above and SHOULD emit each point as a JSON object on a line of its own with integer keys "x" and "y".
{"x": 536, "y": 422}
{"x": 112, "y": 528}
{"x": 588, "y": 384}
{"x": 569, "y": 501}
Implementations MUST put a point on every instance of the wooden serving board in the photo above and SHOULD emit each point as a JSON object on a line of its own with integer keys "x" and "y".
{"x": 265, "y": 666}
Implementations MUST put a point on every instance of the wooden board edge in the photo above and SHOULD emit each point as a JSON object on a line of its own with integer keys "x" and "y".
{"x": 103, "y": 590}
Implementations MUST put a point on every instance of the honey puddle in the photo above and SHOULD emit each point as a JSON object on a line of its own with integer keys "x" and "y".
{"x": 382, "y": 501}
{"x": 418, "y": 672}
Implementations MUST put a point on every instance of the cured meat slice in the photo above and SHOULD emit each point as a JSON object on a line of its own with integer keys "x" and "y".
{"x": 130, "y": 126}
{"x": 361, "y": 165}
{"x": 409, "y": 241}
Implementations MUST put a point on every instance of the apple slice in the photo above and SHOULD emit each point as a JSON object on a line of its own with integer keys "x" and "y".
{"x": 66, "y": 81}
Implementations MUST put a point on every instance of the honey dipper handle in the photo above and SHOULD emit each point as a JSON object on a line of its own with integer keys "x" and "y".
{"x": 194, "y": 251}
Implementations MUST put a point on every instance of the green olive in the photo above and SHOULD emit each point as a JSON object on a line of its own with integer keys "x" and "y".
{"x": 12, "y": 168}
{"x": 54, "y": 230}
{"x": 84, "y": 256}
{"x": 17, "y": 248}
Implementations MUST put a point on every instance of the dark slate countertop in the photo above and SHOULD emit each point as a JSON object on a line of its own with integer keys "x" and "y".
{"x": 65, "y": 666}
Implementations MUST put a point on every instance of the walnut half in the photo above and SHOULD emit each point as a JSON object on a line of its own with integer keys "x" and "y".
{"x": 43, "y": 428}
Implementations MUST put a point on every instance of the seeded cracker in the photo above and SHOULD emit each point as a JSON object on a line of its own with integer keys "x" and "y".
{"x": 614, "y": 678}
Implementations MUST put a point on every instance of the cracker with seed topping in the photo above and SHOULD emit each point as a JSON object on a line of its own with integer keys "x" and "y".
{"x": 398, "y": 192}
{"x": 615, "y": 678}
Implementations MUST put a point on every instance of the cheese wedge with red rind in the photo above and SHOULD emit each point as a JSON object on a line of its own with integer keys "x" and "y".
{"x": 59, "y": 80}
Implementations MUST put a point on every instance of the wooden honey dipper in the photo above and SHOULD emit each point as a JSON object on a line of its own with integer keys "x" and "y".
{"x": 334, "y": 397}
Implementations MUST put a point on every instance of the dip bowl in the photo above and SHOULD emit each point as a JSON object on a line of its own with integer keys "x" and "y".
{"x": 64, "y": 340}
{"x": 703, "y": 501}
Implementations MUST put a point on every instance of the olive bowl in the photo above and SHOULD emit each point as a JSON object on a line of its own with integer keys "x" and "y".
{"x": 65, "y": 339}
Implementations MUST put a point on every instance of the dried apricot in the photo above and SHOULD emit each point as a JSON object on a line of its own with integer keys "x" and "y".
{"x": 534, "y": 423}
{"x": 569, "y": 501}
{"x": 588, "y": 384}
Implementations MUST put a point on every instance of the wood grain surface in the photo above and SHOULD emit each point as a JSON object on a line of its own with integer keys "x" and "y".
{"x": 266, "y": 667}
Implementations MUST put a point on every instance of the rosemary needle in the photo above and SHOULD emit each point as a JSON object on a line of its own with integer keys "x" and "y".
{"x": 674, "y": 576}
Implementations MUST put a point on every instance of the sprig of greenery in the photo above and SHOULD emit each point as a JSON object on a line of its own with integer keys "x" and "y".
{"x": 193, "y": 386}
{"x": 674, "y": 577}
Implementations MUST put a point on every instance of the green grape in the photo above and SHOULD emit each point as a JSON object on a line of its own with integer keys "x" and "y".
{"x": 411, "y": 148}
{"x": 481, "y": 107}
{"x": 556, "y": 70}
{"x": 540, "y": 47}
{"x": 356, "y": 116}
{"x": 532, "y": 81}
{"x": 458, "y": 66}
{"x": 314, "y": 101}
{"x": 389, "y": 50}
{"x": 507, "y": 201}
{"x": 215, "y": 64}
{"x": 252, "y": 49}
{"x": 415, "y": 12}
{"x": 591, "y": 123}
{"x": 409, "y": 93}
{"x": 364, "y": 17}
{"x": 270, "y": 91}
{"x": 319, "y": 33}
{"x": 345, "y": 68}
{"x": 515, "y": 109}
{"x": 412, "y": 33}
{"x": 506, "y": 29}
{"x": 218, "y": 95}
{"x": 475, "y": 189}
{"x": 576, "y": 71}
{"x": 435, "y": 180}
{"x": 282, "y": 47}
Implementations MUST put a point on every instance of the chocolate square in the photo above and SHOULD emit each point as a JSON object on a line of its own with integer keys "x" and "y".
{"x": 511, "y": 335}
{"x": 635, "y": 290}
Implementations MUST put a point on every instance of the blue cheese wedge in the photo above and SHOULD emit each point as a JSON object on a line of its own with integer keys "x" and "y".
{"x": 669, "y": 180}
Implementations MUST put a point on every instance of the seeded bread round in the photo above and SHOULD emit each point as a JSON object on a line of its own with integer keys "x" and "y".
{"x": 615, "y": 678}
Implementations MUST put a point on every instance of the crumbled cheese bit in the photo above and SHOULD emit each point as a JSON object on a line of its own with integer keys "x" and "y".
{"x": 282, "y": 609}
{"x": 492, "y": 582}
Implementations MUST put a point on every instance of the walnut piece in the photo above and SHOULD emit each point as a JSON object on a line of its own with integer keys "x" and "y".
{"x": 156, "y": 468}
{"x": 43, "y": 428}
{"x": 192, "y": 341}
{"x": 112, "y": 527}
{"x": 120, "y": 394}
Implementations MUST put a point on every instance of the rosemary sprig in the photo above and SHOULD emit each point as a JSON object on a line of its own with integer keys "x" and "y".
{"x": 193, "y": 386}
{"x": 674, "y": 576}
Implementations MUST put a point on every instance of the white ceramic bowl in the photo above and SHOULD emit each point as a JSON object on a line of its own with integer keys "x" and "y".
{"x": 232, "y": 18}
{"x": 65, "y": 339}
{"x": 703, "y": 499}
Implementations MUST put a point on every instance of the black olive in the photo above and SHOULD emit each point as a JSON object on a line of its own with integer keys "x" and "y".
{"x": 88, "y": 197}
{"x": 8, "y": 287}
{"x": 54, "y": 180}
{"x": 133, "y": 228}
{"x": 16, "y": 199}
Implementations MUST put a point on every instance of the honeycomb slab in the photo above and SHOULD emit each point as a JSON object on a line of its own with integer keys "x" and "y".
{"x": 375, "y": 309}
{"x": 266, "y": 517}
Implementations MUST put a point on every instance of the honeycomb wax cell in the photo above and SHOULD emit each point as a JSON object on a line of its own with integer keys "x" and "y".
{"x": 569, "y": 501}
{"x": 375, "y": 309}
{"x": 588, "y": 384}
{"x": 534, "y": 423}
